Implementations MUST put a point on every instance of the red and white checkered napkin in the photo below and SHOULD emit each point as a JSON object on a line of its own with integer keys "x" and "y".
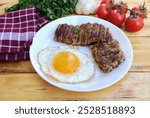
{"x": 17, "y": 30}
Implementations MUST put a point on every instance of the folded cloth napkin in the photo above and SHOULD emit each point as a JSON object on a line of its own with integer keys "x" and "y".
{"x": 17, "y": 30}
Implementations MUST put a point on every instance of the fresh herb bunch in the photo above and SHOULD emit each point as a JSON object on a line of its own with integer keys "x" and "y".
{"x": 52, "y": 9}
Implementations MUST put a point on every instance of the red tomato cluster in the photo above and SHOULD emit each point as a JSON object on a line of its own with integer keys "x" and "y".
{"x": 116, "y": 14}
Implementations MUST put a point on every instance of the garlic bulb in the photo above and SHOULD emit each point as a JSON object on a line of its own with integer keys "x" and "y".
{"x": 86, "y": 7}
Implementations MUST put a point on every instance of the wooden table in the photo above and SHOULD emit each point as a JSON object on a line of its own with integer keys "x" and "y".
{"x": 19, "y": 81}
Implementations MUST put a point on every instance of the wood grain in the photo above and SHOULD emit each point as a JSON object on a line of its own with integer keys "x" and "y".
{"x": 5, "y": 4}
{"x": 135, "y": 86}
{"x": 19, "y": 81}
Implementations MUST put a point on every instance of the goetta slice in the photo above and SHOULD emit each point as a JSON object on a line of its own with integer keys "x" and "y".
{"x": 107, "y": 55}
{"x": 82, "y": 35}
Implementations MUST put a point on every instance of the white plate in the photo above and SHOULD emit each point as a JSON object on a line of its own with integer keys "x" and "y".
{"x": 44, "y": 38}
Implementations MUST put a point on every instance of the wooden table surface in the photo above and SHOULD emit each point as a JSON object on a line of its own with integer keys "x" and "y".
{"x": 19, "y": 81}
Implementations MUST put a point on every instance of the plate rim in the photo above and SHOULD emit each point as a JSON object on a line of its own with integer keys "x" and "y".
{"x": 91, "y": 90}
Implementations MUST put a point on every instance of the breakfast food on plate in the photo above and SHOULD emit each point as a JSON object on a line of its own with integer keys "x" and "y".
{"x": 107, "y": 55}
{"x": 66, "y": 64}
{"x": 82, "y": 35}
{"x": 105, "y": 50}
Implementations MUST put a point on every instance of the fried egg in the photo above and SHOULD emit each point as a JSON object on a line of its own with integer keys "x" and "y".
{"x": 66, "y": 64}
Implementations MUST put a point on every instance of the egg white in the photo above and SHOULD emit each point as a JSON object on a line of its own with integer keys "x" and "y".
{"x": 85, "y": 72}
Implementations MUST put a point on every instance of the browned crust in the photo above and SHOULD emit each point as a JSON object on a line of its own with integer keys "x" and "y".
{"x": 88, "y": 34}
{"x": 107, "y": 55}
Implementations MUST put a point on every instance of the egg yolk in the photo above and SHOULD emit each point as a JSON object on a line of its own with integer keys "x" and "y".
{"x": 66, "y": 62}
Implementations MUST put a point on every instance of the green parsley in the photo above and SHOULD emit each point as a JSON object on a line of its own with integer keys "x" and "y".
{"x": 52, "y": 9}
{"x": 77, "y": 31}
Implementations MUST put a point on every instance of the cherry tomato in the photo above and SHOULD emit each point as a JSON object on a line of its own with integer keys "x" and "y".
{"x": 107, "y": 2}
{"x": 134, "y": 9}
{"x": 121, "y": 6}
{"x": 134, "y": 24}
{"x": 102, "y": 11}
{"x": 140, "y": 9}
{"x": 116, "y": 18}
{"x": 125, "y": 7}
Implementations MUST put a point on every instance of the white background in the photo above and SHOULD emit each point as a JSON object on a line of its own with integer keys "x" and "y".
{"x": 8, "y": 109}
